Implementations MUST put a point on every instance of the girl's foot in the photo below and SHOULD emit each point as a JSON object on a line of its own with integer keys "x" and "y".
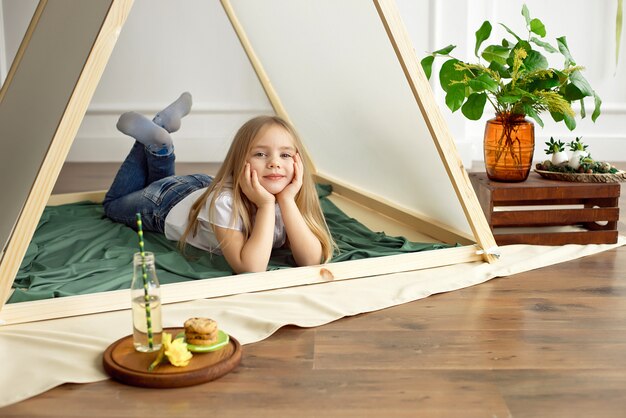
{"x": 169, "y": 118}
{"x": 144, "y": 130}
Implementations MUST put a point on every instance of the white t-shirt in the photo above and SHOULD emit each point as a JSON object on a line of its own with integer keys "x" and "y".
{"x": 176, "y": 221}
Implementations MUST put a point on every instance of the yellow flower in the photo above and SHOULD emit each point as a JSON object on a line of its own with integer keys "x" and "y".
{"x": 175, "y": 351}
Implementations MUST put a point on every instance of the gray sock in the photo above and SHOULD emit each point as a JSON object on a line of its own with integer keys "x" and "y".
{"x": 144, "y": 130}
{"x": 169, "y": 118}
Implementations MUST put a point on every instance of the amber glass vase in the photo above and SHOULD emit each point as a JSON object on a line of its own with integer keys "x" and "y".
{"x": 509, "y": 147}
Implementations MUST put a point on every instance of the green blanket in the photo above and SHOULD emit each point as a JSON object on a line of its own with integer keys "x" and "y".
{"x": 76, "y": 250}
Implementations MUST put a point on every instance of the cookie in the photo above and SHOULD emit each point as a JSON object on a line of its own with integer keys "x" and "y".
{"x": 200, "y": 331}
{"x": 200, "y": 325}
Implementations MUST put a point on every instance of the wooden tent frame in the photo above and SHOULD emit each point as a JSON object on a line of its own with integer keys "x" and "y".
{"x": 481, "y": 246}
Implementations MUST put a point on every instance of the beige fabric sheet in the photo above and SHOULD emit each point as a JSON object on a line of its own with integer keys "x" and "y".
{"x": 39, "y": 356}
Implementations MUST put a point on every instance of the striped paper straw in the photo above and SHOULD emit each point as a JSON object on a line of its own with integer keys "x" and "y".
{"x": 144, "y": 276}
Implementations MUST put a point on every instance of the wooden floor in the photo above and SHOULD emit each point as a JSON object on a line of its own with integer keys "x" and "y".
{"x": 546, "y": 343}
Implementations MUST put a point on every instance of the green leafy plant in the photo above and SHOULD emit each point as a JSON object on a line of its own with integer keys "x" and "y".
{"x": 514, "y": 77}
{"x": 554, "y": 146}
{"x": 557, "y": 150}
{"x": 579, "y": 161}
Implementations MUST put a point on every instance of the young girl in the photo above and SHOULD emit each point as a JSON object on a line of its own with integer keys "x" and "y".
{"x": 262, "y": 197}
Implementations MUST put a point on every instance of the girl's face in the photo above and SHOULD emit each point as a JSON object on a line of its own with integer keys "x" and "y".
{"x": 271, "y": 156}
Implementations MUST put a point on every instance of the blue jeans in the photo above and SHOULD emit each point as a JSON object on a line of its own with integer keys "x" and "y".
{"x": 146, "y": 184}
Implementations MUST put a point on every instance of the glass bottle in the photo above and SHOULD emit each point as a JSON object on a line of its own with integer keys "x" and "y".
{"x": 143, "y": 340}
{"x": 509, "y": 146}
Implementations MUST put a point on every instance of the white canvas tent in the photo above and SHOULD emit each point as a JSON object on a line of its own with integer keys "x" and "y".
{"x": 343, "y": 72}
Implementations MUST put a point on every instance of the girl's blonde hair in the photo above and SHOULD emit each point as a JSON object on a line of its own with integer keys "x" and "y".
{"x": 233, "y": 165}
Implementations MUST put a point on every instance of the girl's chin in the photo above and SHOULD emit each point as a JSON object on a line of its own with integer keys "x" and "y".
{"x": 274, "y": 190}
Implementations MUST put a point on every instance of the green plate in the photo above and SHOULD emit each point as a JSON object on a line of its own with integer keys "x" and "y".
{"x": 222, "y": 340}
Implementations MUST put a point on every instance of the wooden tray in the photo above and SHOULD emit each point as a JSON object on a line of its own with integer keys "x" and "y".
{"x": 123, "y": 363}
{"x": 584, "y": 178}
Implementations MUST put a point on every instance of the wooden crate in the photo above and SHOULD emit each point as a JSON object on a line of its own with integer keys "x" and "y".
{"x": 549, "y": 212}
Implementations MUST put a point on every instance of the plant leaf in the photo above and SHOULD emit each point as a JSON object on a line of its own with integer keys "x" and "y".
{"x": 536, "y": 26}
{"x": 455, "y": 97}
{"x": 510, "y": 31}
{"x": 535, "y": 61}
{"x": 556, "y": 116}
{"x": 513, "y": 95}
{"x": 572, "y": 93}
{"x": 509, "y": 98}
{"x": 427, "y": 65}
{"x": 444, "y": 51}
{"x": 521, "y": 44}
{"x": 597, "y": 104}
{"x": 530, "y": 96}
{"x": 496, "y": 53}
{"x": 562, "y": 43}
{"x": 427, "y": 62}
{"x": 544, "y": 83}
{"x": 577, "y": 79}
{"x": 482, "y": 34}
{"x": 570, "y": 122}
{"x": 526, "y": 14}
{"x": 544, "y": 45}
{"x": 583, "y": 112}
{"x": 530, "y": 111}
{"x": 505, "y": 43}
{"x": 475, "y": 105}
{"x": 537, "y": 119}
{"x": 448, "y": 74}
{"x": 484, "y": 82}
{"x": 563, "y": 78}
{"x": 500, "y": 69}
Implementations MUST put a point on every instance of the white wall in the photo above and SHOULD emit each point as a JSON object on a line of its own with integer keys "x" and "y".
{"x": 170, "y": 46}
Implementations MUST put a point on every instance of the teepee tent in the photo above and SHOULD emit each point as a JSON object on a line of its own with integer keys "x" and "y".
{"x": 343, "y": 72}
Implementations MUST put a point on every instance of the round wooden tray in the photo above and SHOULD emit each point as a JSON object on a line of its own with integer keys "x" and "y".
{"x": 123, "y": 363}
{"x": 584, "y": 178}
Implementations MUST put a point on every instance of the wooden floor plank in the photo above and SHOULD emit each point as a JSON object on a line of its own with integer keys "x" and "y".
{"x": 470, "y": 350}
{"x": 564, "y": 393}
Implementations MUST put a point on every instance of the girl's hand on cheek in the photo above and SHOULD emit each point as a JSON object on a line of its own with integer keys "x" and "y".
{"x": 251, "y": 187}
{"x": 292, "y": 189}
